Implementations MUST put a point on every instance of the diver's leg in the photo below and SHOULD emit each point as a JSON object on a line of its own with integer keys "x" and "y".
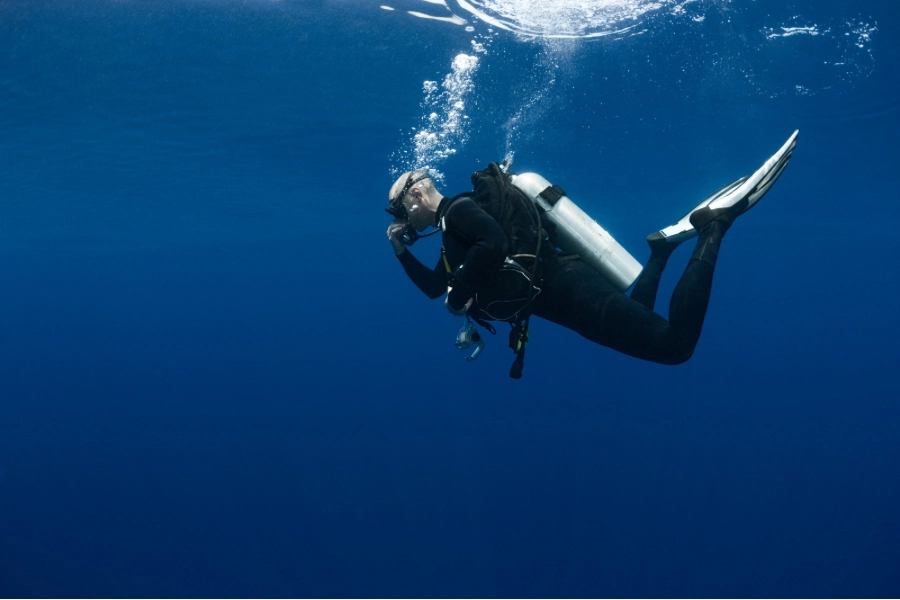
{"x": 579, "y": 298}
{"x": 690, "y": 298}
{"x": 647, "y": 285}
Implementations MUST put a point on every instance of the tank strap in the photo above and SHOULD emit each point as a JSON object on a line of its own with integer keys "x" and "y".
{"x": 552, "y": 194}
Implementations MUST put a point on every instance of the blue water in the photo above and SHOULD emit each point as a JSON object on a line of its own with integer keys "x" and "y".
{"x": 215, "y": 380}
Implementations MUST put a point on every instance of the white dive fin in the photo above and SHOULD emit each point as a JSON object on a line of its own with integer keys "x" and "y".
{"x": 753, "y": 187}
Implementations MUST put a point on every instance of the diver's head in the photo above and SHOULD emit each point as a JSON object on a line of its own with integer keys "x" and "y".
{"x": 414, "y": 198}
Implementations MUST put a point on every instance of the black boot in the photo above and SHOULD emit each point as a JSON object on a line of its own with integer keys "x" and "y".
{"x": 702, "y": 217}
{"x": 660, "y": 246}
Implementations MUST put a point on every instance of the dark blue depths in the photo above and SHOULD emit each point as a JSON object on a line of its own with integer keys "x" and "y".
{"x": 215, "y": 380}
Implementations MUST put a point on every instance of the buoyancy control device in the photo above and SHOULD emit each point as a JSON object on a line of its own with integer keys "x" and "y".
{"x": 530, "y": 210}
{"x": 577, "y": 233}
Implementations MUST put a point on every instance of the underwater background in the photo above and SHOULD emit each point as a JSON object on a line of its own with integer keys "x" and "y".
{"x": 216, "y": 380}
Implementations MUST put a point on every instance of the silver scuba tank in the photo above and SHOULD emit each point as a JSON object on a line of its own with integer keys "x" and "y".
{"x": 577, "y": 233}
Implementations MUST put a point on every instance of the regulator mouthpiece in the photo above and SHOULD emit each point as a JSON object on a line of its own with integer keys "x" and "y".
{"x": 409, "y": 235}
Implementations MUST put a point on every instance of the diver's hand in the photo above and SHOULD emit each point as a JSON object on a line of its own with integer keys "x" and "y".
{"x": 458, "y": 312}
{"x": 394, "y": 230}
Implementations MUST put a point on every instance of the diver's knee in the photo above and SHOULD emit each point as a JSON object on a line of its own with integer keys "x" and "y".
{"x": 679, "y": 356}
{"x": 682, "y": 358}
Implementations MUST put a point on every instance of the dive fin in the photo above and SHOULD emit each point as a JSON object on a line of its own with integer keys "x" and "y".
{"x": 753, "y": 187}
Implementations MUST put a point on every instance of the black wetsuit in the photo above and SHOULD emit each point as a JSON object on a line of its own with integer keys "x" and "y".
{"x": 574, "y": 294}
{"x": 474, "y": 247}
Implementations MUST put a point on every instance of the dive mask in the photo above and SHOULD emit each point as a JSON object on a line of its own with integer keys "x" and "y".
{"x": 397, "y": 210}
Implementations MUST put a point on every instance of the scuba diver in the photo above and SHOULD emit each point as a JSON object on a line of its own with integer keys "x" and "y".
{"x": 517, "y": 246}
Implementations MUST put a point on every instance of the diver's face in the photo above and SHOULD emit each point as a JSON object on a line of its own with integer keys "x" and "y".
{"x": 415, "y": 210}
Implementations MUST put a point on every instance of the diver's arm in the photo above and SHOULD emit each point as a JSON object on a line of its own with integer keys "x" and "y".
{"x": 432, "y": 282}
{"x": 488, "y": 244}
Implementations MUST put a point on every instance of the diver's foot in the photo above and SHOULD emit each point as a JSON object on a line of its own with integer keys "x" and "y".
{"x": 702, "y": 217}
{"x": 660, "y": 245}
{"x": 743, "y": 193}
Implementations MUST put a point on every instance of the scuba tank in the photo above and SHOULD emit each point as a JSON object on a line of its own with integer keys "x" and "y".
{"x": 577, "y": 233}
